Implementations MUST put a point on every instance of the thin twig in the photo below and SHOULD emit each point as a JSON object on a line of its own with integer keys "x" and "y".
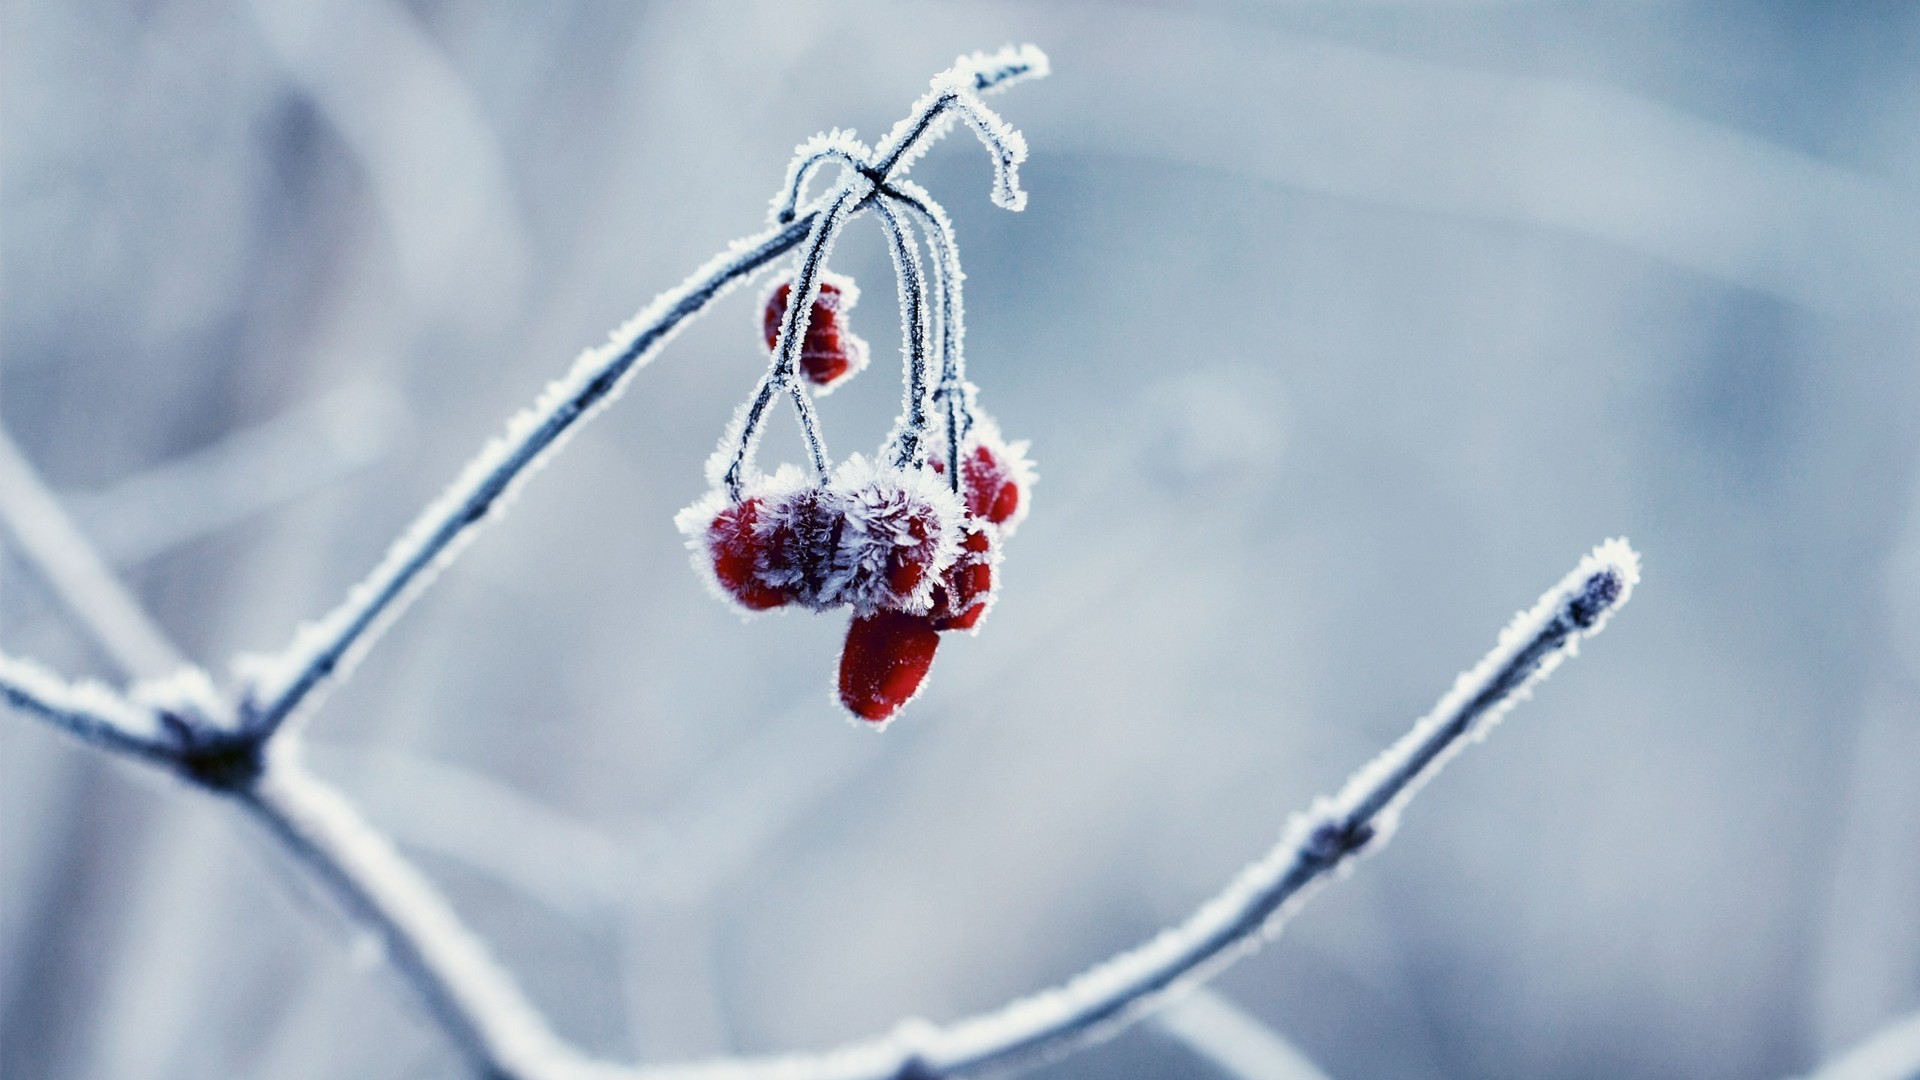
{"x": 782, "y": 369}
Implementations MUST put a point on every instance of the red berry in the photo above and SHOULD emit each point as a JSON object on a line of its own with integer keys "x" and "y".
{"x": 830, "y": 353}
{"x": 738, "y": 552}
{"x": 993, "y": 492}
{"x": 994, "y": 477}
{"x": 965, "y": 591}
{"x": 885, "y": 662}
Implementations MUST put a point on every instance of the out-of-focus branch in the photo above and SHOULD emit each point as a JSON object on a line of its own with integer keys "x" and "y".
{"x": 36, "y": 521}
{"x": 1224, "y": 1034}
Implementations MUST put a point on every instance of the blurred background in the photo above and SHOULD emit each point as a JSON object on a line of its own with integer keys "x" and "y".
{"x": 1340, "y": 331}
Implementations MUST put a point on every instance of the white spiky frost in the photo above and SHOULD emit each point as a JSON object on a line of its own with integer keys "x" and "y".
{"x": 890, "y": 510}
{"x": 830, "y": 546}
{"x": 955, "y": 92}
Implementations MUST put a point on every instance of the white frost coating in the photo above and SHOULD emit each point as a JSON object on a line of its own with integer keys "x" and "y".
{"x": 85, "y": 708}
{"x": 471, "y": 996}
{"x": 991, "y": 72}
{"x": 732, "y": 463}
{"x": 841, "y": 302}
{"x": 1013, "y": 455}
{"x": 906, "y": 444}
{"x": 1362, "y": 793}
{"x": 822, "y": 547}
{"x": 950, "y": 310}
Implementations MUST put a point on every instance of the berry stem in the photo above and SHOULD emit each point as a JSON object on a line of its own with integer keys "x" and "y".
{"x": 783, "y": 370}
{"x": 909, "y": 439}
{"x": 949, "y": 313}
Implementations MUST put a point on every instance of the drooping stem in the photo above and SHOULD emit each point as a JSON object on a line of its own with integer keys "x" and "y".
{"x": 783, "y": 370}
{"x": 909, "y": 441}
{"x": 807, "y": 159}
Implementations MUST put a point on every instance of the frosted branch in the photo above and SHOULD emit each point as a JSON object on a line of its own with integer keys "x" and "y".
{"x": 955, "y": 93}
{"x": 276, "y": 685}
{"x": 86, "y": 709}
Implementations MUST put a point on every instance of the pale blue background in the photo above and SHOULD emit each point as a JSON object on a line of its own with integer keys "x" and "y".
{"x": 1340, "y": 330}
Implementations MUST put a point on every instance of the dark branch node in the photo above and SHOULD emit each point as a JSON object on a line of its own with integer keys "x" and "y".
{"x": 216, "y": 759}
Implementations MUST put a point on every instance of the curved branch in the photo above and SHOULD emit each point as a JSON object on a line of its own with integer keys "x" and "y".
{"x": 276, "y": 685}
{"x": 1317, "y": 845}
{"x": 470, "y": 996}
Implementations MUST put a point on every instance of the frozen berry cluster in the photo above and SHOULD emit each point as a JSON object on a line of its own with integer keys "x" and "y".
{"x": 912, "y": 551}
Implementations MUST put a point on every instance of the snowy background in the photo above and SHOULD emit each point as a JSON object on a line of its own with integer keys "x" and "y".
{"x": 1340, "y": 331}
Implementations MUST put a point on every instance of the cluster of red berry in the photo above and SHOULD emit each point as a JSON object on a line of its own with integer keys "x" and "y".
{"x": 910, "y": 555}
